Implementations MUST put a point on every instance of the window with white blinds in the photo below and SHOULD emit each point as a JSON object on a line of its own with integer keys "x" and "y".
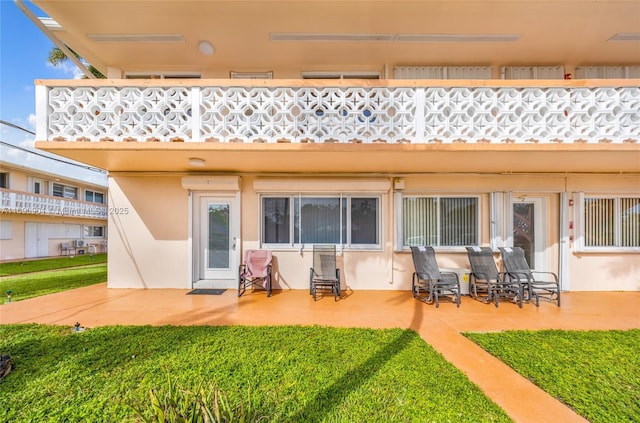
{"x": 65, "y": 191}
{"x": 440, "y": 221}
{"x": 612, "y": 222}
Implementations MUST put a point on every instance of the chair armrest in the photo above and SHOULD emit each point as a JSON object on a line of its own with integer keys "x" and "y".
{"x": 553, "y": 275}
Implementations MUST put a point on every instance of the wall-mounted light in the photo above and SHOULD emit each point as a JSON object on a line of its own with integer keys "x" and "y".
{"x": 196, "y": 162}
{"x": 205, "y": 47}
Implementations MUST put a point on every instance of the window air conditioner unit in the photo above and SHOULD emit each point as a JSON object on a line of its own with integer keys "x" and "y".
{"x": 78, "y": 243}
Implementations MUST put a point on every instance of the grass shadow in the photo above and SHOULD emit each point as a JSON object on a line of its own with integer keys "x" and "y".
{"x": 325, "y": 401}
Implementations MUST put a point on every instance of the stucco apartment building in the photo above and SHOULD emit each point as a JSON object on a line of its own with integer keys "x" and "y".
{"x": 42, "y": 211}
{"x": 372, "y": 125}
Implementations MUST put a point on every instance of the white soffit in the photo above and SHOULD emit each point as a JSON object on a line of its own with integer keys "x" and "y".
{"x": 424, "y": 38}
{"x": 136, "y": 38}
{"x": 322, "y": 185}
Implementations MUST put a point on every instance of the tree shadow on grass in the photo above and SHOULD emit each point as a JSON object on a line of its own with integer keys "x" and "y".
{"x": 325, "y": 401}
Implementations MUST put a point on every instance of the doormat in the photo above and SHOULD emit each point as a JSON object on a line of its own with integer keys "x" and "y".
{"x": 206, "y": 292}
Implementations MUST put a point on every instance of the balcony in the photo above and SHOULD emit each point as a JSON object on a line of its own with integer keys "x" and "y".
{"x": 18, "y": 202}
{"x": 560, "y": 113}
{"x": 294, "y": 115}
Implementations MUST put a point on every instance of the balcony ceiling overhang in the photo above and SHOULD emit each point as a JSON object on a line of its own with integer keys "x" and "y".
{"x": 558, "y": 32}
{"x": 352, "y": 158}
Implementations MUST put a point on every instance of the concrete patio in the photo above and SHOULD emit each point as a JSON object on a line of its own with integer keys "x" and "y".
{"x": 524, "y": 402}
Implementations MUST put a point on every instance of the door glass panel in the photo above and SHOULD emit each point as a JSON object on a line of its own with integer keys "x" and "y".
{"x": 523, "y": 230}
{"x": 218, "y": 236}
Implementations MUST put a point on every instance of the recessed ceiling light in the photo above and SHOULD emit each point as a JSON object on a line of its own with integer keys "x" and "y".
{"x": 205, "y": 47}
{"x": 196, "y": 162}
{"x": 136, "y": 38}
{"x": 626, "y": 37}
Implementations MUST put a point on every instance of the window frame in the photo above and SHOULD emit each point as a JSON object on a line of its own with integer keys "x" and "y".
{"x": 5, "y": 179}
{"x": 64, "y": 187}
{"x": 399, "y": 206}
{"x": 580, "y": 245}
{"x": 90, "y": 229}
{"x": 93, "y": 195}
{"x": 348, "y": 245}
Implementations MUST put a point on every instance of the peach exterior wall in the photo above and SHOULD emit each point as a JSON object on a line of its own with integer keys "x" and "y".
{"x": 13, "y": 249}
{"x": 148, "y": 235}
{"x": 149, "y": 247}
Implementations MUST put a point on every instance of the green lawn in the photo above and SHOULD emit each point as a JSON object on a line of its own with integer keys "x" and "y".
{"x": 597, "y": 373}
{"x": 43, "y": 283}
{"x": 289, "y": 374}
{"x": 26, "y": 266}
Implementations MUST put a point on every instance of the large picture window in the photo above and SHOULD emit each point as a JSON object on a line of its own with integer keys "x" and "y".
{"x": 300, "y": 219}
{"x": 440, "y": 221}
{"x": 612, "y": 222}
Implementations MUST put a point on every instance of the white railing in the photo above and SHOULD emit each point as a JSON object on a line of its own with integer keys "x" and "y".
{"x": 120, "y": 111}
{"x": 26, "y": 203}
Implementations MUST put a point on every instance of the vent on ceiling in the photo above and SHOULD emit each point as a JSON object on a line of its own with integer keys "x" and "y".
{"x": 422, "y": 38}
{"x": 626, "y": 37}
{"x": 162, "y": 75}
{"x": 136, "y": 38}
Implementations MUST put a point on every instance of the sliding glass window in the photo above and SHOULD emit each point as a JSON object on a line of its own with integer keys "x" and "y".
{"x": 348, "y": 220}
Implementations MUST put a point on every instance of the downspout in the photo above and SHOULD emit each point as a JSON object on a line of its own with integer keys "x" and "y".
{"x": 53, "y": 38}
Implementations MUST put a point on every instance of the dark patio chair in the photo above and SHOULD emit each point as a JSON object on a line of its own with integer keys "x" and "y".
{"x": 255, "y": 271}
{"x": 66, "y": 249}
{"x": 428, "y": 279}
{"x": 537, "y": 284}
{"x": 324, "y": 275}
{"x": 486, "y": 283}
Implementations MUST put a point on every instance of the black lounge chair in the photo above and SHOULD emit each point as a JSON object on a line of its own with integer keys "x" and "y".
{"x": 538, "y": 284}
{"x": 255, "y": 271}
{"x": 324, "y": 275}
{"x": 486, "y": 283}
{"x": 428, "y": 279}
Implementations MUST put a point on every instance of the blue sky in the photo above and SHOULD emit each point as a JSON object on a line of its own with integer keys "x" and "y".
{"x": 24, "y": 50}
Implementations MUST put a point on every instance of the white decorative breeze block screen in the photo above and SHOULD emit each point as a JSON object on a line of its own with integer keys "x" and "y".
{"x": 341, "y": 114}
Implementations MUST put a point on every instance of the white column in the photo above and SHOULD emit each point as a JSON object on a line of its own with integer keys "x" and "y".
{"x": 42, "y": 117}
{"x": 564, "y": 241}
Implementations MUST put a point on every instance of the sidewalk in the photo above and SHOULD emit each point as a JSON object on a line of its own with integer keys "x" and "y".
{"x": 523, "y": 402}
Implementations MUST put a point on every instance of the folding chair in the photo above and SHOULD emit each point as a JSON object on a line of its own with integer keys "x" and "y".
{"x": 486, "y": 279}
{"x": 429, "y": 279}
{"x": 255, "y": 271}
{"x": 538, "y": 284}
{"x": 324, "y": 275}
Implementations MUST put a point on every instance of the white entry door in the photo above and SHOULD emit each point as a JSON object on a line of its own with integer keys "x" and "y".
{"x": 529, "y": 229}
{"x": 217, "y": 236}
